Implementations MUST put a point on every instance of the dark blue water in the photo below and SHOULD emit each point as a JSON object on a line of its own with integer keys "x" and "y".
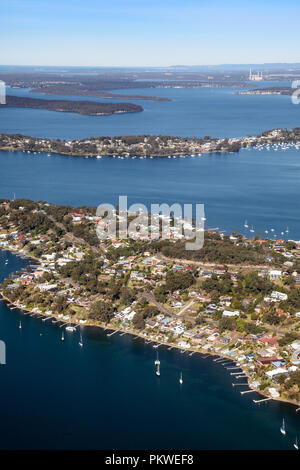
{"x": 218, "y": 112}
{"x": 260, "y": 186}
{"x": 56, "y": 395}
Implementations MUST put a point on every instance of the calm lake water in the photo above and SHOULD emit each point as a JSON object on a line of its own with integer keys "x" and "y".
{"x": 55, "y": 394}
{"x": 260, "y": 186}
{"x": 105, "y": 395}
{"x": 218, "y": 112}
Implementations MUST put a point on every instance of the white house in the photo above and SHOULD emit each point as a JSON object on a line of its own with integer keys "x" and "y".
{"x": 278, "y": 295}
{"x": 231, "y": 313}
{"x": 277, "y": 371}
{"x": 275, "y": 274}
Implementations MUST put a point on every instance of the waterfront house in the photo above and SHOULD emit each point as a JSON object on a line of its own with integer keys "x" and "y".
{"x": 184, "y": 344}
{"x": 151, "y": 323}
{"x": 275, "y": 372}
{"x": 26, "y": 279}
{"x": 212, "y": 338}
{"x": 188, "y": 334}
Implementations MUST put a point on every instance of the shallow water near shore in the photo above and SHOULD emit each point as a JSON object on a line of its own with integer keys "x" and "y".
{"x": 56, "y": 395}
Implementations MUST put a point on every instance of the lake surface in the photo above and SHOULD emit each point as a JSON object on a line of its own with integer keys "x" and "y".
{"x": 55, "y": 394}
{"x": 260, "y": 186}
{"x": 105, "y": 395}
{"x": 218, "y": 112}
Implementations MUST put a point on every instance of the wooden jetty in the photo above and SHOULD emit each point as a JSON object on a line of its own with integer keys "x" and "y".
{"x": 243, "y": 384}
{"x": 112, "y": 333}
{"x": 263, "y": 399}
{"x": 247, "y": 391}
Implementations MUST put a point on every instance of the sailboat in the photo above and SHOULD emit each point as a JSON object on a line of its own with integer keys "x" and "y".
{"x": 181, "y": 380}
{"x": 20, "y": 325}
{"x": 287, "y": 230}
{"x": 62, "y": 336}
{"x": 80, "y": 341}
{"x": 157, "y": 363}
{"x": 296, "y": 444}
{"x": 252, "y": 229}
{"x": 282, "y": 429}
{"x": 246, "y": 224}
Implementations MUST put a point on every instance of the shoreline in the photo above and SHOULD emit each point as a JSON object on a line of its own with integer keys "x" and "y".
{"x": 134, "y": 333}
{"x": 150, "y": 146}
{"x": 112, "y": 155}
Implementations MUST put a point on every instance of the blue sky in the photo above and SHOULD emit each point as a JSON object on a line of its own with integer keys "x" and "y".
{"x": 148, "y": 33}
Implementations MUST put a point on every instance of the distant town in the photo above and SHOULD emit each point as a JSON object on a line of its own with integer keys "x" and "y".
{"x": 237, "y": 298}
{"x": 147, "y": 145}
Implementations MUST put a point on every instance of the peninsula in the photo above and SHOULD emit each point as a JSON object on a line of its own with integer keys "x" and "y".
{"x": 77, "y": 91}
{"x": 275, "y": 90}
{"x": 90, "y": 108}
{"x": 148, "y": 145}
{"x": 246, "y": 311}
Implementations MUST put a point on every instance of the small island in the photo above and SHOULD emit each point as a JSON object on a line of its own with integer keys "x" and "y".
{"x": 89, "y": 108}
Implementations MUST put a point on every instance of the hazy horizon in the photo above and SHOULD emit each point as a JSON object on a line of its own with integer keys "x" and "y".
{"x": 138, "y": 34}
